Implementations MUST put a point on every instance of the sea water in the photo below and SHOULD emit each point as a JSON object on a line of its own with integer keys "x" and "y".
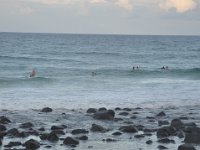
{"x": 81, "y": 71}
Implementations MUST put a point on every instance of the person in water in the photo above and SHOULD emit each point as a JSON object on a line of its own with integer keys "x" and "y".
{"x": 33, "y": 73}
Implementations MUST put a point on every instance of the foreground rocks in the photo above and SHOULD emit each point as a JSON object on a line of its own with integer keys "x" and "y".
{"x": 186, "y": 147}
{"x": 104, "y": 115}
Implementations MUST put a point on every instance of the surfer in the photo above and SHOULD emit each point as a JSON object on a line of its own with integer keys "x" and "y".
{"x": 163, "y": 67}
{"x": 33, "y": 73}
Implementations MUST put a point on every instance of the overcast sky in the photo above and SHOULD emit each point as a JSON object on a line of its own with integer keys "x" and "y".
{"x": 176, "y": 17}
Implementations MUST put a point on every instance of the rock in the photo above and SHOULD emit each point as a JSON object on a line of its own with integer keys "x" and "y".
{"x": 104, "y": 115}
{"x": 98, "y": 128}
{"x": 57, "y": 127}
{"x": 11, "y": 144}
{"x": 31, "y": 144}
{"x": 46, "y": 109}
{"x": 124, "y": 114}
{"x": 163, "y": 122}
{"x": 58, "y": 132}
{"x": 128, "y": 129}
{"x": 192, "y": 135}
{"x": 44, "y": 136}
{"x": 0, "y": 142}
{"x": 102, "y": 109}
{"x": 4, "y": 120}
{"x": 52, "y": 137}
{"x": 80, "y": 131}
{"x": 166, "y": 141}
{"x": 14, "y": 132}
{"x": 133, "y": 117}
{"x": 41, "y": 129}
{"x": 177, "y": 123}
{"x": 117, "y": 133}
{"x": 139, "y": 136}
{"x": 149, "y": 142}
{"x": 2, "y": 128}
{"x": 161, "y": 114}
{"x": 91, "y": 110}
{"x": 117, "y": 109}
{"x": 186, "y": 147}
{"x": 190, "y": 124}
{"x": 127, "y": 109}
{"x": 162, "y": 147}
{"x": 70, "y": 141}
{"x": 84, "y": 138}
{"x": 26, "y": 125}
{"x": 110, "y": 140}
{"x": 184, "y": 118}
{"x": 2, "y": 134}
{"x": 166, "y": 132}
{"x": 148, "y": 117}
{"x": 180, "y": 134}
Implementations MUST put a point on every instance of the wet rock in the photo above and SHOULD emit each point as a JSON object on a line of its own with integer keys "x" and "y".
{"x": 32, "y": 132}
{"x": 184, "y": 118}
{"x": 26, "y": 125}
{"x": 192, "y": 135}
{"x": 102, "y": 109}
{"x": 79, "y": 131}
{"x": 84, "y": 138}
{"x": 98, "y": 128}
{"x": 161, "y": 114}
{"x": 110, "y": 140}
{"x": 127, "y": 109}
{"x": 11, "y": 144}
{"x": 117, "y": 133}
{"x": 46, "y": 109}
{"x": 180, "y": 134}
{"x": 0, "y": 142}
{"x": 140, "y": 127}
{"x": 31, "y": 144}
{"x": 2, "y": 128}
{"x": 138, "y": 108}
{"x": 52, "y": 137}
{"x": 13, "y": 132}
{"x": 2, "y": 134}
{"x": 149, "y": 130}
{"x": 44, "y": 136}
{"x": 104, "y": 115}
{"x": 139, "y": 136}
{"x": 124, "y": 114}
{"x": 161, "y": 147}
{"x": 133, "y": 117}
{"x": 128, "y": 129}
{"x": 166, "y": 141}
{"x": 4, "y": 120}
{"x": 70, "y": 141}
{"x": 149, "y": 117}
{"x": 58, "y": 132}
{"x": 41, "y": 129}
{"x": 177, "y": 123}
{"x": 149, "y": 142}
{"x": 186, "y": 147}
{"x": 57, "y": 127}
{"x": 91, "y": 110}
{"x": 163, "y": 122}
{"x": 166, "y": 132}
{"x": 117, "y": 109}
{"x": 128, "y": 122}
{"x": 190, "y": 124}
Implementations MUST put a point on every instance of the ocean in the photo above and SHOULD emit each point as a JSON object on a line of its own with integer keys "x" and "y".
{"x": 81, "y": 71}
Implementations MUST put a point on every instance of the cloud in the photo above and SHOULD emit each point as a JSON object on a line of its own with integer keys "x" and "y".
{"x": 179, "y": 5}
{"x": 126, "y": 4}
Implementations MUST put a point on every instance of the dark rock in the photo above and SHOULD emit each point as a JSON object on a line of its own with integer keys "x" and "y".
{"x": 177, "y": 123}
{"x": 186, "y": 147}
{"x": 91, "y": 110}
{"x": 149, "y": 130}
{"x": 104, "y": 115}
{"x": 192, "y": 135}
{"x": 0, "y": 142}
{"x": 162, "y": 147}
{"x": 190, "y": 124}
{"x": 11, "y": 144}
{"x": 2, "y": 128}
{"x": 31, "y": 144}
{"x": 148, "y": 117}
{"x": 166, "y": 132}
{"x": 70, "y": 141}
{"x": 161, "y": 114}
{"x": 41, "y": 129}
{"x": 58, "y": 132}
{"x": 133, "y": 117}
{"x": 127, "y": 109}
{"x": 98, "y": 128}
{"x": 4, "y": 120}
{"x": 32, "y": 132}
{"x": 117, "y": 109}
{"x": 26, "y": 125}
{"x": 183, "y": 118}
{"x": 140, "y": 127}
{"x": 110, "y": 140}
{"x": 135, "y": 112}
{"x": 57, "y": 127}
{"x": 166, "y": 141}
{"x": 124, "y": 114}
{"x": 52, "y": 137}
{"x": 80, "y": 131}
{"x": 139, "y": 136}
{"x": 44, "y": 136}
{"x": 46, "y": 109}
{"x": 102, "y": 109}
{"x": 138, "y": 108}
{"x": 128, "y": 122}
{"x": 149, "y": 142}
{"x": 2, "y": 134}
{"x": 180, "y": 134}
{"x": 129, "y": 129}
{"x": 14, "y": 132}
{"x": 117, "y": 133}
{"x": 84, "y": 138}
{"x": 163, "y": 122}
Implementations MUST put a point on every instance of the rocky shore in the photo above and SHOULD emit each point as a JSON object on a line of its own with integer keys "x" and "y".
{"x": 101, "y": 128}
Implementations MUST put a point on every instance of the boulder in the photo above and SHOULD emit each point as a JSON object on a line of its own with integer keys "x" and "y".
{"x": 26, "y": 125}
{"x": 91, "y": 110}
{"x": 104, "y": 115}
{"x": 166, "y": 132}
{"x": 32, "y": 144}
{"x": 79, "y": 131}
{"x": 163, "y": 122}
{"x": 102, "y": 109}
{"x": 117, "y": 133}
{"x": 161, "y": 147}
{"x": 161, "y": 114}
{"x": 4, "y": 120}
{"x": 46, "y": 109}
{"x": 2, "y": 128}
{"x": 98, "y": 128}
{"x": 61, "y": 127}
{"x": 166, "y": 141}
{"x": 177, "y": 123}
{"x": 129, "y": 129}
{"x": 52, "y": 137}
{"x": 11, "y": 144}
{"x": 84, "y": 138}
{"x": 123, "y": 113}
{"x": 127, "y": 109}
{"x": 70, "y": 141}
{"x": 186, "y": 147}
{"x": 149, "y": 142}
{"x": 192, "y": 135}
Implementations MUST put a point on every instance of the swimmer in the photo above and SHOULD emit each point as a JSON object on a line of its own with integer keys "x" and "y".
{"x": 33, "y": 73}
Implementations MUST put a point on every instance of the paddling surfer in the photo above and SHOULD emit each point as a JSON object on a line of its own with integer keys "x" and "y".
{"x": 33, "y": 73}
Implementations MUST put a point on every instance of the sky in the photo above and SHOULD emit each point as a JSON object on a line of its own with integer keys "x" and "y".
{"x": 138, "y": 17}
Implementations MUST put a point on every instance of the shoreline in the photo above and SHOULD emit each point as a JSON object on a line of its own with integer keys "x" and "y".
{"x": 100, "y": 128}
